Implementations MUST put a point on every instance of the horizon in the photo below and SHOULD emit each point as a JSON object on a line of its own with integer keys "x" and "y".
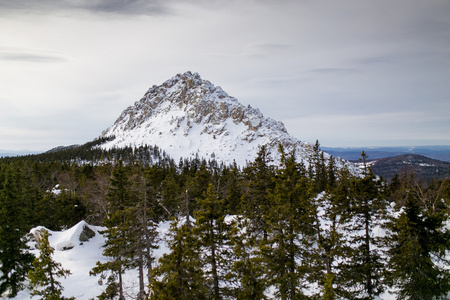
{"x": 21, "y": 152}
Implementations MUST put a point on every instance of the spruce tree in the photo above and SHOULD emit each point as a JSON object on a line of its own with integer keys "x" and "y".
{"x": 419, "y": 240}
{"x": 15, "y": 260}
{"x": 142, "y": 231}
{"x": 254, "y": 201}
{"x": 179, "y": 273}
{"x": 213, "y": 234}
{"x": 45, "y": 273}
{"x": 230, "y": 189}
{"x": 363, "y": 272}
{"x": 331, "y": 250}
{"x": 118, "y": 235}
{"x": 248, "y": 270}
{"x": 291, "y": 229}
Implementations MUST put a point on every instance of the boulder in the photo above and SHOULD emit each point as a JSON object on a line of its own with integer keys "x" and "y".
{"x": 86, "y": 234}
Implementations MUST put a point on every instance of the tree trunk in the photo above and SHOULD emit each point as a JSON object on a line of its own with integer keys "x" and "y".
{"x": 214, "y": 263}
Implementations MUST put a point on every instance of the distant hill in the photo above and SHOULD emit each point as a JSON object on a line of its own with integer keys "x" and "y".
{"x": 354, "y": 153}
{"x": 423, "y": 167}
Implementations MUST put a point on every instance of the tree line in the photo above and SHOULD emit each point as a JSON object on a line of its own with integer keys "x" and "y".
{"x": 285, "y": 230}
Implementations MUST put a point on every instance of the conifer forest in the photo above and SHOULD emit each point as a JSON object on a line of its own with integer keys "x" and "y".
{"x": 267, "y": 230}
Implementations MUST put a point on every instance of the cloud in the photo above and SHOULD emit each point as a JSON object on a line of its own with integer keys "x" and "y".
{"x": 31, "y": 57}
{"x": 121, "y": 7}
{"x": 374, "y": 129}
{"x": 333, "y": 71}
{"x": 324, "y": 66}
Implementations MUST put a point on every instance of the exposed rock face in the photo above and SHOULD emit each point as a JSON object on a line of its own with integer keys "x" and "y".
{"x": 188, "y": 116}
{"x": 86, "y": 234}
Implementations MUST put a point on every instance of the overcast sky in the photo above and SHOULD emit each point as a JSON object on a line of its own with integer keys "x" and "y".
{"x": 348, "y": 72}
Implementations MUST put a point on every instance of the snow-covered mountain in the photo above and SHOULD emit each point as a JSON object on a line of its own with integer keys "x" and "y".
{"x": 188, "y": 116}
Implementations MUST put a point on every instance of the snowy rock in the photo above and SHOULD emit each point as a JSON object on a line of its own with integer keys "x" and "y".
{"x": 86, "y": 234}
{"x": 37, "y": 234}
{"x": 188, "y": 116}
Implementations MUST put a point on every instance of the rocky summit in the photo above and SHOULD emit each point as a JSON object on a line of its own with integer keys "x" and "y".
{"x": 187, "y": 116}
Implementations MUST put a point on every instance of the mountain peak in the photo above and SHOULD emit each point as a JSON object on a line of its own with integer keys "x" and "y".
{"x": 187, "y": 116}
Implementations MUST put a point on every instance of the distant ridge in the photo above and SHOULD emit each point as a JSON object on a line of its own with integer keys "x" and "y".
{"x": 424, "y": 168}
{"x": 439, "y": 152}
{"x": 62, "y": 148}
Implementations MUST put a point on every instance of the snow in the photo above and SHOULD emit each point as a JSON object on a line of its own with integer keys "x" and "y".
{"x": 83, "y": 257}
{"x": 188, "y": 116}
{"x": 80, "y": 259}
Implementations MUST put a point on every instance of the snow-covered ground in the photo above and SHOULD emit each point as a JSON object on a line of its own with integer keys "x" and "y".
{"x": 82, "y": 257}
{"x": 80, "y": 260}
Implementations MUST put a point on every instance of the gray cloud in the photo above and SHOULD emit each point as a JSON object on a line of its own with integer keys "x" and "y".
{"x": 31, "y": 57}
{"x": 333, "y": 71}
{"x": 122, "y": 7}
{"x": 340, "y": 72}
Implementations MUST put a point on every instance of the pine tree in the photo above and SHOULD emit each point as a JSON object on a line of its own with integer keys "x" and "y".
{"x": 118, "y": 234}
{"x": 331, "y": 250}
{"x": 179, "y": 274}
{"x": 15, "y": 260}
{"x": 318, "y": 168}
{"x": 254, "y": 201}
{"x": 142, "y": 232}
{"x": 419, "y": 239}
{"x": 329, "y": 293}
{"x": 364, "y": 270}
{"x": 230, "y": 189}
{"x": 248, "y": 268}
{"x": 291, "y": 229}
{"x": 43, "y": 276}
{"x": 213, "y": 234}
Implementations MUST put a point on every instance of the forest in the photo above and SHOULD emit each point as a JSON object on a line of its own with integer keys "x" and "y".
{"x": 282, "y": 230}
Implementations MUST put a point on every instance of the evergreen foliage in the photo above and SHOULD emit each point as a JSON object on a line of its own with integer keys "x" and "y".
{"x": 15, "y": 260}
{"x": 117, "y": 234}
{"x": 179, "y": 274}
{"x": 213, "y": 234}
{"x": 44, "y": 275}
{"x": 419, "y": 240}
{"x": 262, "y": 232}
{"x": 248, "y": 270}
{"x": 290, "y": 225}
{"x": 254, "y": 202}
{"x": 367, "y": 209}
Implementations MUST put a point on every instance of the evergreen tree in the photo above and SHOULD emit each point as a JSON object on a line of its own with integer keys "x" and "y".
{"x": 331, "y": 249}
{"x": 230, "y": 189}
{"x": 213, "y": 234}
{"x": 254, "y": 202}
{"x": 248, "y": 268}
{"x": 43, "y": 276}
{"x": 171, "y": 195}
{"x": 179, "y": 274}
{"x": 318, "y": 168}
{"x": 418, "y": 241}
{"x": 118, "y": 234}
{"x": 291, "y": 223}
{"x": 364, "y": 270}
{"x": 329, "y": 293}
{"x": 15, "y": 260}
{"x": 142, "y": 232}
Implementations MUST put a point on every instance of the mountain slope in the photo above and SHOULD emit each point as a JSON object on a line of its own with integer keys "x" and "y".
{"x": 423, "y": 167}
{"x": 187, "y": 116}
{"x": 441, "y": 152}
